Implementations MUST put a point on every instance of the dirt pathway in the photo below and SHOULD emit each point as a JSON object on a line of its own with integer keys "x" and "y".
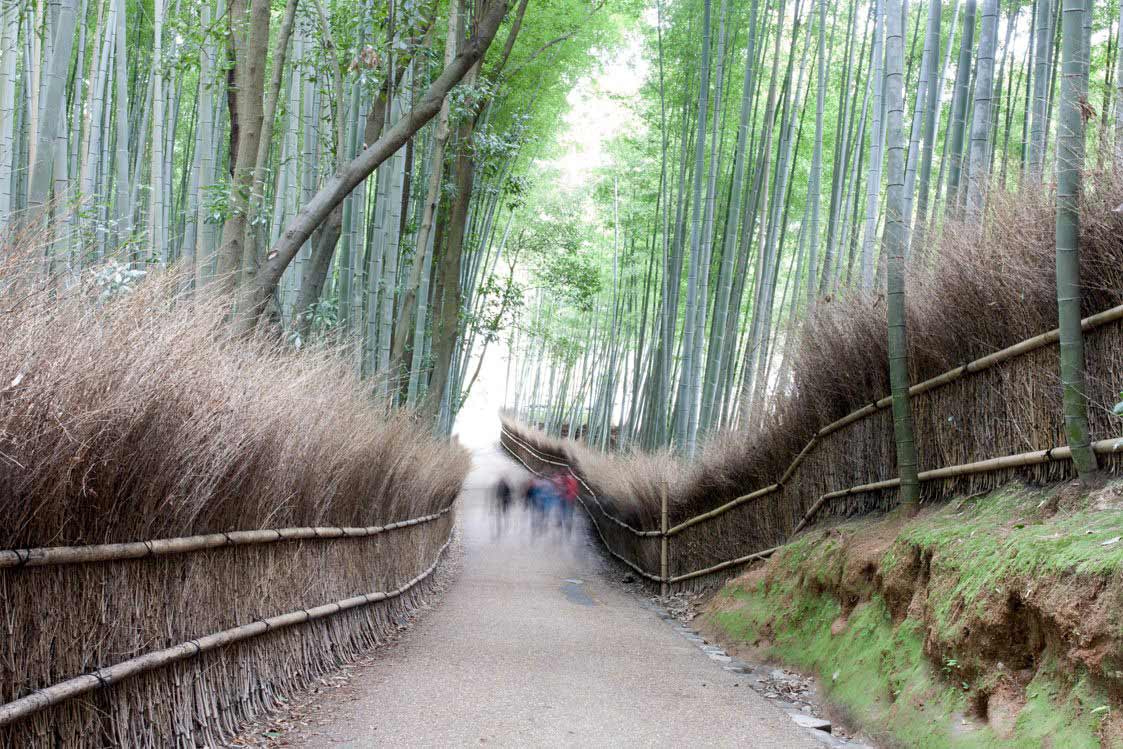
{"x": 534, "y": 645}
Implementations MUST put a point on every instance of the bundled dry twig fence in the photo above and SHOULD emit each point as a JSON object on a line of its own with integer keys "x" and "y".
{"x": 847, "y": 467}
{"x": 240, "y": 515}
{"x": 974, "y": 295}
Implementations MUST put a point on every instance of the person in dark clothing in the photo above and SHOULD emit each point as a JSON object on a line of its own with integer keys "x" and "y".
{"x": 503, "y": 498}
{"x": 503, "y": 495}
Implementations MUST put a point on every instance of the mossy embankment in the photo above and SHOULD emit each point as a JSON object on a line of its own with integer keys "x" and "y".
{"x": 991, "y": 621}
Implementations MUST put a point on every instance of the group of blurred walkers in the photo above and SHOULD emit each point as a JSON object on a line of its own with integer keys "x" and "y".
{"x": 545, "y": 500}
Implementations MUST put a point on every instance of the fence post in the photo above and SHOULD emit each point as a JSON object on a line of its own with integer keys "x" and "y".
{"x": 664, "y": 587}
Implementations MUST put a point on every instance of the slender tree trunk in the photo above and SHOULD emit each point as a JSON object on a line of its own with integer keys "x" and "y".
{"x": 929, "y": 58}
{"x": 895, "y": 241}
{"x": 424, "y": 244}
{"x": 251, "y": 35}
{"x": 265, "y": 139}
{"x": 815, "y": 180}
{"x": 156, "y": 229}
{"x": 877, "y": 143}
{"x": 958, "y": 122}
{"x": 9, "y": 84}
{"x": 1119, "y": 93}
{"x": 446, "y": 324}
{"x": 1070, "y": 162}
{"x": 1040, "y": 124}
{"x": 686, "y": 399}
{"x": 53, "y": 109}
{"x": 978, "y": 177}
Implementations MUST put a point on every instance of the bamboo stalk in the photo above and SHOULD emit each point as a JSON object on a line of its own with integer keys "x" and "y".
{"x": 978, "y": 365}
{"x": 724, "y": 565}
{"x": 771, "y": 488}
{"x": 104, "y": 677}
{"x": 169, "y": 546}
{"x": 664, "y": 546}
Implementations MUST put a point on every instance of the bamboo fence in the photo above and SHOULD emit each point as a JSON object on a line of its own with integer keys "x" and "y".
{"x": 168, "y": 546}
{"x": 1020, "y": 407}
{"x": 195, "y": 619}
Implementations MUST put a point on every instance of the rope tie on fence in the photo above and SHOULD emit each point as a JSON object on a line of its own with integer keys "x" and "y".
{"x": 22, "y": 559}
{"x": 148, "y": 545}
{"x": 197, "y": 646}
{"x": 101, "y": 680}
{"x": 231, "y": 541}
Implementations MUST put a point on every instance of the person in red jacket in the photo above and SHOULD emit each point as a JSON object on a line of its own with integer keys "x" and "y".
{"x": 567, "y": 490}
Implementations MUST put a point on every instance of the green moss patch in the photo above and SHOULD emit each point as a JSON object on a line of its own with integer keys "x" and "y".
{"x": 989, "y": 622}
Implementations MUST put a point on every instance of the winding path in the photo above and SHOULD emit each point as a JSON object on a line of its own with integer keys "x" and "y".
{"x": 534, "y": 645}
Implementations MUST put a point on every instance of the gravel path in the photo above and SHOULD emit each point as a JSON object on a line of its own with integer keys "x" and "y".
{"x": 535, "y": 645}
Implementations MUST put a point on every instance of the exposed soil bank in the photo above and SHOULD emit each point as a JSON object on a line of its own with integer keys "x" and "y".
{"x": 992, "y": 621}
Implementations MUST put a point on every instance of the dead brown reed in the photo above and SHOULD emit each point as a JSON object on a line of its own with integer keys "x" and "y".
{"x": 133, "y": 416}
{"x": 138, "y": 417}
{"x": 970, "y": 293}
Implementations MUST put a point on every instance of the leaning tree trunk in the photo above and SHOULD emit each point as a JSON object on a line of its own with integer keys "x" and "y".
{"x": 1070, "y": 161}
{"x": 896, "y": 237}
{"x": 255, "y": 294}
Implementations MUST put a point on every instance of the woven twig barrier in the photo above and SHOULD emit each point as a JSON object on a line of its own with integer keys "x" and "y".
{"x": 183, "y": 632}
{"x": 974, "y": 367}
{"x": 1035, "y": 457}
{"x": 104, "y": 677}
{"x": 168, "y": 546}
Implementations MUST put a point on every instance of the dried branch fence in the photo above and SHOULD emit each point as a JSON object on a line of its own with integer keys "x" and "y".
{"x": 176, "y": 641}
{"x": 1007, "y": 402}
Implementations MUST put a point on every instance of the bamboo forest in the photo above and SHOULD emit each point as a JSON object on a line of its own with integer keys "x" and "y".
{"x": 756, "y": 176}
{"x": 797, "y": 323}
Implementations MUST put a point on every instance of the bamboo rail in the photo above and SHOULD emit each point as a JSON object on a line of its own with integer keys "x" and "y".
{"x": 1035, "y": 457}
{"x": 723, "y": 509}
{"x": 983, "y": 466}
{"x": 981, "y": 364}
{"x": 169, "y": 546}
{"x": 104, "y": 677}
{"x": 725, "y": 565}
